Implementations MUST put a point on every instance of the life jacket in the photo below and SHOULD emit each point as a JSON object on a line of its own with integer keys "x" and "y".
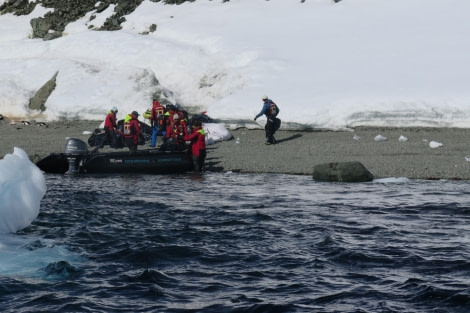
{"x": 168, "y": 118}
{"x": 169, "y": 114}
{"x": 147, "y": 114}
{"x": 157, "y": 110}
{"x": 177, "y": 130}
{"x": 273, "y": 110}
{"x": 127, "y": 129}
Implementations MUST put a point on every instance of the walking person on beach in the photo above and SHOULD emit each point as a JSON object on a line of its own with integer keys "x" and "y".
{"x": 271, "y": 110}
{"x": 110, "y": 128}
{"x": 132, "y": 131}
{"x": 198, "y": 145}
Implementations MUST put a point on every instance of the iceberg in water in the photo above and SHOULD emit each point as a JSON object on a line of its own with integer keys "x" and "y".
{"x": 22, "y": 186}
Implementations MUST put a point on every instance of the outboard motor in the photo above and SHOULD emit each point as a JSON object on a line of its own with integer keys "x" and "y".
{"x": 75, "y": 150}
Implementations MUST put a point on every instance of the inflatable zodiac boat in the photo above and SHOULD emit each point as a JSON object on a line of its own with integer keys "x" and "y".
{"x": 77, "y": 159}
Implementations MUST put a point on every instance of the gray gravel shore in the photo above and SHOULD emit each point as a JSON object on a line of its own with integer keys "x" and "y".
{"x": 295, "y": 153}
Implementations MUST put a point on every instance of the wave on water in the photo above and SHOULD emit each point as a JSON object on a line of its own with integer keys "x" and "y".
{"x": 241, "y": 243}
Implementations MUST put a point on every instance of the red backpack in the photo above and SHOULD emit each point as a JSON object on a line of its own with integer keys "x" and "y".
{"x": 273, "y": 109}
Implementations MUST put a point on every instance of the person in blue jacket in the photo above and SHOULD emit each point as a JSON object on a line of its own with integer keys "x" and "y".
{"x": 271, "y": 110}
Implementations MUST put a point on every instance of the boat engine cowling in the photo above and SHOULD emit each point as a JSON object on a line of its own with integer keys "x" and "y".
{"x": 75, "y": 150}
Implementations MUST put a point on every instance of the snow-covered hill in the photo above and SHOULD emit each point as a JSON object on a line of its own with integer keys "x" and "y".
{"x": 326, "y": 64}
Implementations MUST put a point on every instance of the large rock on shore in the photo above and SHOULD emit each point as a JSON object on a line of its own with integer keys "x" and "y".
{"x": 38, "y": 101}
{"x": 342, "y": 172}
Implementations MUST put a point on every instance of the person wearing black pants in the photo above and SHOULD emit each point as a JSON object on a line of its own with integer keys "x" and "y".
{"x": 271, "y": 110}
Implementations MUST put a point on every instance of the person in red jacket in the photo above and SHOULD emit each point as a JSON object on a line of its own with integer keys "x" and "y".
{"x": 132, "y": 131}
{"x": 198, "y": 146}
{"x": 157, "y": 119}
{"x": 176, "y": 130}
{"x": 110, "y": 127}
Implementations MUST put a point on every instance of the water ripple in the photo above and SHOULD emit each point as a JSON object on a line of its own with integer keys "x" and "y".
{"x": 244, "y": 243}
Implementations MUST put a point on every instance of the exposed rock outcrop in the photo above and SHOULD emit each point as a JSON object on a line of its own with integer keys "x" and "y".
{"x": 38, "y": 101}
{"x": 53, "y": 23}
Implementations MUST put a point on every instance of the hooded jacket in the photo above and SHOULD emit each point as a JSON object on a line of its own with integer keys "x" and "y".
{"x": 198, "y": 141}
{"x": 134, "y": 127}
{"x": 110, "y": 120}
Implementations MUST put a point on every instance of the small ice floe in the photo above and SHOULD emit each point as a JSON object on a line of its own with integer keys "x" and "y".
{"x": 391, "y": 180}
{"x": 356, "y": 137}
{"x": 380, "y": 138}
{"x": 467, "y": 158}
{"x": 25, "y": 123}
{"x": 238, "y": 140}
{"x": 435, "y": 144}
{"x": 87, "y": 132}
{"x": 12, "y": 123}
{"x": 402, "y": 138}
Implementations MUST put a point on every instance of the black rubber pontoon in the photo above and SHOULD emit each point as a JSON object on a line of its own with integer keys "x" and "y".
{"x": 77, "y": 159}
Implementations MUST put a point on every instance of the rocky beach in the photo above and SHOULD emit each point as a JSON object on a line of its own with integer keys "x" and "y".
{"x": 296, "y": 152}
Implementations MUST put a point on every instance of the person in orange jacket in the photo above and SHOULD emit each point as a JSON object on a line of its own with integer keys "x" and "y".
{"x": 198, "y": 146}
{"x": 132, "y": 131}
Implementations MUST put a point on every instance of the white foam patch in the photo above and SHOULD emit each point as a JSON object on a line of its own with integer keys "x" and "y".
{"x": 29, "y": 257}
{"x": 392, "y": 180}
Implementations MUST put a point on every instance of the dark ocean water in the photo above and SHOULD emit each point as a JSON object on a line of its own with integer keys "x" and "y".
{"x": 241, "y": 243}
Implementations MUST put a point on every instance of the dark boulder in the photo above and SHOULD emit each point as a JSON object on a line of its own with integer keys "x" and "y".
{"x": 40, "y": 27}
{"x": 342, "y": 172}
